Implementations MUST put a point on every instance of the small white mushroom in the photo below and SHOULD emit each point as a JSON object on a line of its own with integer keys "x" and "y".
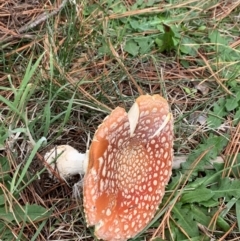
{"x": 66, "y": 161}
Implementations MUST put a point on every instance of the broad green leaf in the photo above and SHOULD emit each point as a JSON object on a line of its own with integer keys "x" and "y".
{"x": 150, "y": 3}
{"x": 5, "y": 215}
{"x": 228, "y": 207}
{"x": 131, "y": 47}
{"x": 2, "y": 199}
{"x": 118, "y": 8}
{"x": 214, "y": 145}
{"x": 222, "y": 223}
{"x": 219, "y": 108}
{"x": 104, "y": 49}
{"x": 238, "y": 213}
{"x": 210, "y": 177}
{"x": 185, "y": 219}
{"x": 145, "y": 44}
{"x": 135, "y": 24}
{"x": 215, "y": 37}
{"x": 4, "y": 167}
{"x": 213, "y": 120}
{"x": 231, "y": 104}
{"x": 210, "y": 203}
{"x": 30, "y": 213}
{"x": 188, "y": 46}
{"x": 197, "y": 195}
{"x": 226, "y": 188}
{"x": 169, "y": 39}
{"x": 237, "y": 117}
{"x": 6, "y": 232}
{"x": 200, "y": 215}
{"x": 193, "y": 238}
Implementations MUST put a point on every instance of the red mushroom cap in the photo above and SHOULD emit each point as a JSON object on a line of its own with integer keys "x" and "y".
{"x": 130, "y": 163}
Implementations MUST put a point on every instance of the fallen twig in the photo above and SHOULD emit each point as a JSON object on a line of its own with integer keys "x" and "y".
{"x": 41, "y": 18}
{"x": 22, "y": 32}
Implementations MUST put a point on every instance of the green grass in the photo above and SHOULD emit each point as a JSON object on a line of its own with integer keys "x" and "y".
{"x": 60, "y": 79}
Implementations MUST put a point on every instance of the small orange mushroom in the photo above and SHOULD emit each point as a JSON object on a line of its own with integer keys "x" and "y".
{"x": 130, "y": 163}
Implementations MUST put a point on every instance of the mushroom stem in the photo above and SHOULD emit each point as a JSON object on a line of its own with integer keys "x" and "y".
{"x": 67, "y": 161}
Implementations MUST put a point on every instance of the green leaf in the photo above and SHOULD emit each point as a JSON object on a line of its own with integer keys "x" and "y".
{"x": 231, "y": 104}
{"x": 131, "y": 47}
{"x": 135, "y": 24}
{"x": 226, "y": 188}
{"x": 222, "y": 223}
{"x": 188, "y": 46}
{"x": 185, "y": 219}
{"x": 215, "y": 118}
{"x": 197, "y": 195}
{"x": 238, "y": 213}
{"x": 104, "y": 49}
{"x": 31, "y": 213}
{"x": 210, "y": 177}
{"x": 214, "y": 145}
{"x": 228, "y": 207}
{"x": 169, "y": 39}
{"x": 5, "y": 215}
{"x": 210, "y": 203}
{"x": 237, "y": 117}
{"x": 6, "y": 232}
{"x": 201, "y": 215}
{"x": 215, "y": 37}
{"x": 145, "y": 44}
{"x": 4, "y": 167}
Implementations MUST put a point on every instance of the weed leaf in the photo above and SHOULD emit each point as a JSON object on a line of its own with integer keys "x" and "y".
{"x": 197, "y": 195}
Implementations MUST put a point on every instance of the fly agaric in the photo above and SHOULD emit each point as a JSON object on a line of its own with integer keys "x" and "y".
{"x": 66, "y": 160}
{"x": 130, "y": 163}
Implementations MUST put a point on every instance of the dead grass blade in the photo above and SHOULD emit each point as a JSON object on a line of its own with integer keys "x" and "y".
{"x": 213, "y": 74}
{"x": 117, "y": 57}
{"x": 232, "y": 151}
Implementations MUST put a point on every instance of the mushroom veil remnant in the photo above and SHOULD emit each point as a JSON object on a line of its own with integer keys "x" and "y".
{"x": 130, "y": 163}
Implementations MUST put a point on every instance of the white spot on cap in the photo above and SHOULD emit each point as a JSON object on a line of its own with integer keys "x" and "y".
{"x": 108, "y": 212}
{"x": 132, "y": 224}
{"x": 154, "y": 109}
{"x": 125, "y": 227}
{"x": 163, "y": 139}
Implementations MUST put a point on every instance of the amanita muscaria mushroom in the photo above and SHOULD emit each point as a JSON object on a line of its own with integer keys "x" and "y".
{"x": 130, "y": 163}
